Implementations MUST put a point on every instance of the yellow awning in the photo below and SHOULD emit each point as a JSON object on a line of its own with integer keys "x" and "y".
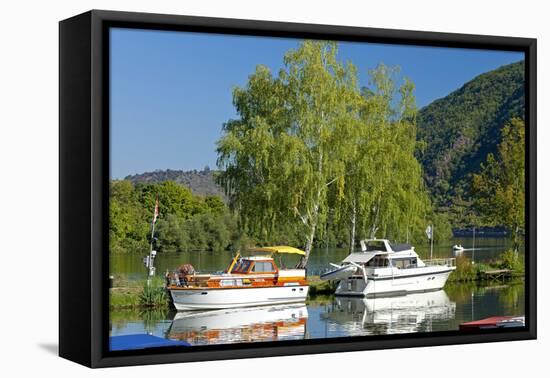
{"x": 280, "y": 249}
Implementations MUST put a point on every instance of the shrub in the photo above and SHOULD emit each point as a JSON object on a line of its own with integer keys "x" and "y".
{"x": 153, "y": 295}
{"x": 465, "y": 271}
{"x": 511, "y": 260}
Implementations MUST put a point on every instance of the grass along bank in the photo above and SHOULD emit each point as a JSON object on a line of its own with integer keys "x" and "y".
{"x": 510, "y": 264}
{"x": 139, "y": 294}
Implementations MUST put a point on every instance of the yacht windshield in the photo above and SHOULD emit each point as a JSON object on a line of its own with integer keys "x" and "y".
{"x": 242, "y": 267}
{"x": 376, "y": 245}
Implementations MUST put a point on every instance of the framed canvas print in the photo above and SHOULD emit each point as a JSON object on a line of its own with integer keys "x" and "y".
{"x": 235, "y": 188}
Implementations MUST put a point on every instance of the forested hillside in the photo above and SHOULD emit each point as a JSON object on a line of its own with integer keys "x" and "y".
{"x": 200, "y": 182}
{"x": 461, "y": 129}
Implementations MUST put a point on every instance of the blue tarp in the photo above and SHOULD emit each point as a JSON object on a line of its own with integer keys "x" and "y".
{"x": 141, "y": 341}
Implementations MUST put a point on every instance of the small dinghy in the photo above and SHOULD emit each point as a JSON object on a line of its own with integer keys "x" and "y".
{"x": 458, "y": 248}
{"x": 493, "y": 322}
{"x": 341, "y": 272}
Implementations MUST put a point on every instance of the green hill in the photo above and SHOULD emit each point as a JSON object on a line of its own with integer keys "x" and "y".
{"x": 460, "y": 129}
{"x": 200, "y": 182}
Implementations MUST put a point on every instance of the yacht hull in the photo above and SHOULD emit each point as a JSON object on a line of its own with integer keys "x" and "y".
{"x": 397, "y": 284}
{"x": 220, "y": 298}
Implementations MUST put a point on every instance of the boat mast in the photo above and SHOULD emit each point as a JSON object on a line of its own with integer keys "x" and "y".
{"x": 150, "y": 260}
{"x": 432, "y": 242}
{"x": 474, "y": 244}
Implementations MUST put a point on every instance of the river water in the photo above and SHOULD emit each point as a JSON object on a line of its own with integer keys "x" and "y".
{"x": 321, "y": 317}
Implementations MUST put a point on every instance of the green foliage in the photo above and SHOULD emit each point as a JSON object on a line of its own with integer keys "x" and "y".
{"x": 499, "y": 189}
{"x": 153, "y": 295}
{"x": 173, "y": 236}
{"x": 461, "y": 129}
{"x": 510, "y": 260}
{"x": 465, "y": 270}
{"x": 186, "y": 222}
{"x": 123, "y": 299}
{"x": 128, "y": 227}
{"x": 310, "y": 148}
{"x": 384, "y": 193}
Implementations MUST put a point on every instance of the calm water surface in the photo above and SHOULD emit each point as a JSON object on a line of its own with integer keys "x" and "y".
{"x": 328, "y": 317}
{"x": 321, "y": 317}
{"x": 130, "y": 266}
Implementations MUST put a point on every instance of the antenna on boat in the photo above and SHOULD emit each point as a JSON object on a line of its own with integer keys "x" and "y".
{"x": 149, "y": 261}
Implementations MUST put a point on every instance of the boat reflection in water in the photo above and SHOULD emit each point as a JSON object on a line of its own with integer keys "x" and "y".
{"x": 241, "y": 325}
{"x": 390, "y": 315}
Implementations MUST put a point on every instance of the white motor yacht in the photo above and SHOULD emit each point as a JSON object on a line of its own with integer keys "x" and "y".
{"x": 383, "y": 268}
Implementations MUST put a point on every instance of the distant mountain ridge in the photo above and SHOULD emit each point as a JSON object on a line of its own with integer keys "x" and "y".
{"x": 459, "y": 130}
{"x": 200, "y": 182}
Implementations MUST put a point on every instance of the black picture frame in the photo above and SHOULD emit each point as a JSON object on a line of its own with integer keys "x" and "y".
{"x": 84, "y": 184}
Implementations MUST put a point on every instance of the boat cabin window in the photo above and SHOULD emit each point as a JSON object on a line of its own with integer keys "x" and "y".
{"x": 263, "y": 267}
{"x": 376, "y": 245}
{"x": 378, "y": 262}
{"x": 405, "y": 263}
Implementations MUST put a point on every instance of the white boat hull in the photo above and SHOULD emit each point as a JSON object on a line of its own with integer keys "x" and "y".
{"x": 219, "y": 298}
{"x": 396, "y": 314}
{"x": 415, "y": 280}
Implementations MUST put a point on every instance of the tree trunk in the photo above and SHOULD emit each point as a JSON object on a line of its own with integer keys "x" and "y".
{"x": 515, "y": 241}
{"x": 309, "y": 245}
{"x": 352, "y": 231}
{"x": 374, "y": 227}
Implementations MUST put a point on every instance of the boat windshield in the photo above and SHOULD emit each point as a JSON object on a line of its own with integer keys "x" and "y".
{"x": 376, "y": 245}
{"x": 242, "y": 266}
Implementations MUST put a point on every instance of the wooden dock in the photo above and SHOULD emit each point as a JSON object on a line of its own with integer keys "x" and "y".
{"x": 496, "y": 274}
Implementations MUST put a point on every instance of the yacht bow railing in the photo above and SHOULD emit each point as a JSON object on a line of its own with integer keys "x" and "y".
{"x": 450, "y": 261}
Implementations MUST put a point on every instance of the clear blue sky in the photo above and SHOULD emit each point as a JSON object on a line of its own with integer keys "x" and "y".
{"x": 171, "y": 91}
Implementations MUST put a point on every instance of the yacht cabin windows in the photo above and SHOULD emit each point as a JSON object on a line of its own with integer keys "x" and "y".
{"x": 401, "y": 263}
{"x": 405, "y": 263}
{"x": 378, "y": 262}
{"x": 263, "y": 267}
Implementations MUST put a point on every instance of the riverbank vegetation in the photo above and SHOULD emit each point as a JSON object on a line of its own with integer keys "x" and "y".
{"x": 186, "y": 222}
{"x": 509, "y": 263}
{"x": 139, "y": 294}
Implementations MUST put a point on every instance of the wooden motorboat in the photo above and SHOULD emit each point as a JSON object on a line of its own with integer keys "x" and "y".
{"x": 255, "y": 280}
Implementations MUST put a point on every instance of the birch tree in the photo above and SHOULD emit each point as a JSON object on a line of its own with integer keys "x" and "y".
{"x": 385, "y": 194}
{"x": 307, "y": 142}
{"x": 291, "y": 141}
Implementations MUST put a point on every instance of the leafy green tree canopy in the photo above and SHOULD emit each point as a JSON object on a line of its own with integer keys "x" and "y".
{"x": 499, "y": 189}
